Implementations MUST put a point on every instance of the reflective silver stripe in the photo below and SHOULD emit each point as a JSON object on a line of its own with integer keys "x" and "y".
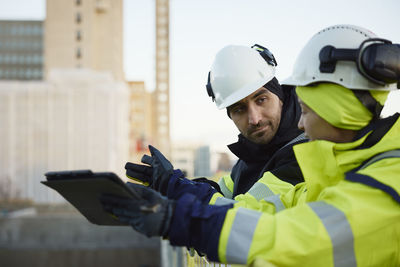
{"x": 241, "y": 235}
{"x": 260, "y": 191}
{"x": 296, "y": 139}
{"x": 340, "y": 232}
{"x": 224, "y": 189}
{"x": 224, "y": 201}
{"x": 384, "y": 155}
{"x": 276, "y": 200}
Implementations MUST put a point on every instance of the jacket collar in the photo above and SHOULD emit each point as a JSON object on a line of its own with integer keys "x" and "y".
{"x": 325, "y": 163}
{"x": 251, "y": 152}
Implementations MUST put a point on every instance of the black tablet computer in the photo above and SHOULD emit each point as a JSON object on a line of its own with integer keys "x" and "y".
{"x": 82, "y": 188}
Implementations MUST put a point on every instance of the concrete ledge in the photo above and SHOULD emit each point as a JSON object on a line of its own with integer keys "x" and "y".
{"x": 70, "y": 240}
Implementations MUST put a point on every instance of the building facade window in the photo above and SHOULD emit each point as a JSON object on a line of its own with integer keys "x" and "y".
{"x": 78, "y": 35}
{"x": 78, "y": 18}
{"x": 78, "y": 53}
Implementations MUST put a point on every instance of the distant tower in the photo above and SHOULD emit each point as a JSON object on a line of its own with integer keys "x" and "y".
{"x": 202, "y": 162}
{"x": 84, "y": 34}
{"x": 162, "y": 76}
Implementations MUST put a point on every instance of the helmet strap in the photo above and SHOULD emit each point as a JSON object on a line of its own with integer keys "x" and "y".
{"x": 369, "y": 102}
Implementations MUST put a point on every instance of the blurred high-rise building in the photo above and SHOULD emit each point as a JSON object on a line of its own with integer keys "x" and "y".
{"x": 142, "y": 121}
{"x": 202, "y": 162}
{"x": 82, "y": 115}
{"x": 198, "y": 160}
{"x": 162, "y": 137}
{"x": 73, "y": 120}
{"x": 21, "y": 50}
{"x": 224, "y": 162}
{"x": 84, "y": 34}
{"x": 183, "y": 157}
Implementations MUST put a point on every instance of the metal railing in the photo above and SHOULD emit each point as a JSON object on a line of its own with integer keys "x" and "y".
{"x": 198, "y": 261}
{"x": 182, "y": 257}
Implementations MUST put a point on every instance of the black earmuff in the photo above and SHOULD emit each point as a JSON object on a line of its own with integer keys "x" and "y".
{"x": 209, "y": 88}
{"x": 382, "y": 62}
{"x": 378, "y": 62}
{"x": 266, "y": 54}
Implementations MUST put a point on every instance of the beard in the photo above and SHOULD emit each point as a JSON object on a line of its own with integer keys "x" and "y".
{"x": 262, "y": 133}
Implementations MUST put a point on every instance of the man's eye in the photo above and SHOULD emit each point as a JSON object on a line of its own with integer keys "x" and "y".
{"x": 237, "y": 110}
{"x": 261, "y": 99}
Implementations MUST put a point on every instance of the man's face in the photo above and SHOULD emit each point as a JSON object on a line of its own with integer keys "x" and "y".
{"x": 257, "y": 116}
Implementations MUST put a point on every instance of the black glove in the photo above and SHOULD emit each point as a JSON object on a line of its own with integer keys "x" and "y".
{"x": 151, "y": 215}
{"x": 156, "y": 175}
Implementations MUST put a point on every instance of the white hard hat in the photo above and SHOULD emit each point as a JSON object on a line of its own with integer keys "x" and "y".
{"x": 237, "y": 72}
{"x": 350, "y": 56}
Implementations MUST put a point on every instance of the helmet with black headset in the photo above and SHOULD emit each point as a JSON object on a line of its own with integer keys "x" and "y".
{"x": 238, "y": 71}
{"x": 350, "y": 56}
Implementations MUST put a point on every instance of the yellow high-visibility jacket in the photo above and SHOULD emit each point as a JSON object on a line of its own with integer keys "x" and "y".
{"x": 346, "y": 213}
{"x": 283, "y": 171}
{"x": 267, "y": 187}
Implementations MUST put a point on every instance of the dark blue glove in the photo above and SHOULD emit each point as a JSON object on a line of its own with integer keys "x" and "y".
{"x": 178, "y": 186}
{"x": 197, "y": 225}
{"x": 161, "y": 176}
{"x": 156, "y": 174}
{"x": 151, "y": 215}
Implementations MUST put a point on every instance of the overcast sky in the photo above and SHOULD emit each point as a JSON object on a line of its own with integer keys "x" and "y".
{"x": 199, "y": 28}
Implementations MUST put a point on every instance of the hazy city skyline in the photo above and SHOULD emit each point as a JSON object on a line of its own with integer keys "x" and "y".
{"x": 198, "y": 29}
